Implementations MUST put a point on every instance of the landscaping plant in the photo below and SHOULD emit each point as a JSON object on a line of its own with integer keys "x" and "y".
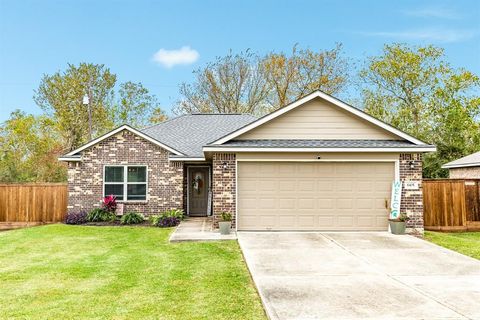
{"x": 169, "y": 218}
{"x": 100, "y": 215}
{"x": 109, "y": 203}
{"x": 76, "y": 217}
{"x": 132, "y": 218}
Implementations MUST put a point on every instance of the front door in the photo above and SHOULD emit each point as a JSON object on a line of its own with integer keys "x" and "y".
{"x": 198, "y": 188}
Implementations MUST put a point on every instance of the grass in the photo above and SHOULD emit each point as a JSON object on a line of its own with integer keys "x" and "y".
{"x": 467, "y": 243}
{"x": 87, "y": 272}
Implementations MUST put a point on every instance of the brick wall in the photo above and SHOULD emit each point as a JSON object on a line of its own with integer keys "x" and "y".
{"x": 165, "y": 178}
{"x": 223, "y": 186}
{"x": 465, "y": 173}
{"x": 412, "y": 200}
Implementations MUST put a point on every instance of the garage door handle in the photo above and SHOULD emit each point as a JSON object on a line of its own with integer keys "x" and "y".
{"x": 386, "y": 204}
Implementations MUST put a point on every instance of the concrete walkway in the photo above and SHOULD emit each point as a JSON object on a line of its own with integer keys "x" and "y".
{"x": 360, "y": 276}
{"x": 198, "y": 229}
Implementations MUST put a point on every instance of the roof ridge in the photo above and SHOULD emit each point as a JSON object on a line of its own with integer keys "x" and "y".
{"x": 160, "y": 123}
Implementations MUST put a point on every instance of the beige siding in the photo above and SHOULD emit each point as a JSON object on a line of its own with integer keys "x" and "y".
{"x": 318, "y": 119}
{"x": 314, "y": 196}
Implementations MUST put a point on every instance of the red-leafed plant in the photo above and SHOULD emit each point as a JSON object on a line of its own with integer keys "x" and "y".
{"x": 110, "y": 203}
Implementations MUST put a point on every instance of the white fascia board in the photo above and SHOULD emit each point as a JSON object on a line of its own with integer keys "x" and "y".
{"x": 119, "y": 129}
{"x": 186, "y": 159}
{"x": 69, "y": 159}
{"x": 465, "y": 165}
{"x": 233, "y": 149}
{"x": 319, "y": 94}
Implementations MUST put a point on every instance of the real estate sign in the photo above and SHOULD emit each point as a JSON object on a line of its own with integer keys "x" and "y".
{"x": 396, "y": 199}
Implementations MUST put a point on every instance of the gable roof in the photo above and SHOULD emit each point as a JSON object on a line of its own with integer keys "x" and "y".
{"x": 189, "y": 133}
{"x": 311, "y": 96}
{"x": 72, "y": 154}
{"x": 472, "y": 160}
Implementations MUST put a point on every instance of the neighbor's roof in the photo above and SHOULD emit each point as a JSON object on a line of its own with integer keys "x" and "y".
{"x": 472, "y": 160}
{"x": 189, "y": 133}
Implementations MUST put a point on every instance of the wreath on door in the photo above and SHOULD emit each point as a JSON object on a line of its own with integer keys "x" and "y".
{"x": 197, "y": 183}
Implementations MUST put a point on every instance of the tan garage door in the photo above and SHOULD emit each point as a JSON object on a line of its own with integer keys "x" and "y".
{"x": 314, "y": 196}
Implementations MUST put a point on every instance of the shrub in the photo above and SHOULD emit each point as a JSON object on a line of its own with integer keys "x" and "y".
{"x": 164, "y": 221}
{"x": 109, "y": 203}
{"x": 100, "y": 215}
{"x": 173, "y": 213}
{"x": 76, "y": 217}
{"x": 132, "y": 218}
{"x": 226, "y": 216}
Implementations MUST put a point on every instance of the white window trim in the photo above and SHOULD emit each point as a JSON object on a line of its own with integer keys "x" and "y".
{"x": 125, "y": 183}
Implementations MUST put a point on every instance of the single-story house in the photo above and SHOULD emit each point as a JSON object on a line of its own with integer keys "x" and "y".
{"x": 315, "y": 164}
{"x": 467, "y": 167}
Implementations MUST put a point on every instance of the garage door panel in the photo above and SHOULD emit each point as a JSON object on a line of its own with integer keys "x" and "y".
{"x": 313, "y": 196}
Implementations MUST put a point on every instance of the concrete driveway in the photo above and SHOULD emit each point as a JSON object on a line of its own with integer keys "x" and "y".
{"x": 360, "y": 276}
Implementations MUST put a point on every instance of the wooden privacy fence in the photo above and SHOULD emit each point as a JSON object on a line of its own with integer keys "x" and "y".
{"x": 451, "y": 204}
{"x": 31, "y": 204}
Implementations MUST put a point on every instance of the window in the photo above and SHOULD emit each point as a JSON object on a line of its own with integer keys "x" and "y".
{"x": 126, "y": 182}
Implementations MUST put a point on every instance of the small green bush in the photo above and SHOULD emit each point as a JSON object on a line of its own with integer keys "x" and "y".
{"x": 100, "y": 215}
{"x": 226, "y": 216}
{"x": 173, "y": 213}
{"x": 132, "y": 218}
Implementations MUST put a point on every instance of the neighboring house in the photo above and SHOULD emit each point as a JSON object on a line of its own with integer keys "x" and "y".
{"x": 315, "y": 164}
{"x": 465, "y": 168}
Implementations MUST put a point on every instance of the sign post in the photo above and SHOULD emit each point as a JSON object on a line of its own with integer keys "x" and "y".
{"x": 396, "y": 199}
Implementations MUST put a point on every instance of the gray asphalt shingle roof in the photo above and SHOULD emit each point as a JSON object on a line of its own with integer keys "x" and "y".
{"x": 321, "y": 144}
{"x": 471, "y": 160}
{"x": 189, "y": 133}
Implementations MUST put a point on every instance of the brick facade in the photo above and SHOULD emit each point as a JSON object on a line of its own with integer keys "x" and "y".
{"x": 165, "y": 178}
{"x": 465, "y": 173}
{"x": 412, "y": 200}
{"x": 223, "y": 186}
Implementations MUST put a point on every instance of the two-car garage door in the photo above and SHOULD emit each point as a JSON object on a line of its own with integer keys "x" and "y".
{"x": 314, "y": 196}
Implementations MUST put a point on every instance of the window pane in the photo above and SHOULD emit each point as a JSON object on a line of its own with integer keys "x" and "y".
{"x": 137, "y": 192}
{"x": 115, "y": 189}
{"x": 113, "y": 174}
{"x": 137, "y": 174}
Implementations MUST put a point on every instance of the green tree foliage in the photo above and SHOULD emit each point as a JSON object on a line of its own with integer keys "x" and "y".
{"x": 30, "y": 145}
{"x": 29, "y": 149}
{"x": 60, "y": 96}
{"x": 414, "y": 89}
{"x": 247, "y": 83}
{"x": 136, "y": 106}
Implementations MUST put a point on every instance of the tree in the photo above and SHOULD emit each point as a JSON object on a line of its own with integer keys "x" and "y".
{"x": 414, "y": 89}
{"x": 230, "y": 84}
{"x": 246, "y": 83}
{"x": 136, "y": 106}
{"x": 29, "y": 149}
{"x": 304, "y": 71}
{"x": 60, "y": 96}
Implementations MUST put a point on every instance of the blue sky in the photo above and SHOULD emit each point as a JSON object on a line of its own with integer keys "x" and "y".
{"x": 38, "y": 37}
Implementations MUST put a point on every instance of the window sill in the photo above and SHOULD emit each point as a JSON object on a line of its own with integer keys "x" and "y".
{"x": 132, "y": 201}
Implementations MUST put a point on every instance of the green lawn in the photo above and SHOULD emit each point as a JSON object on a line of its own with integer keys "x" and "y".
{"x": 73, "y": 272}
{"x": 467, "y": 243}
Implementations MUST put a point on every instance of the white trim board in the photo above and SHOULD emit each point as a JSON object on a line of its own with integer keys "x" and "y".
{"x": 464, "y": 165}
{"x": 396, "y": 150}
{"x": 334, "y": 101}
{"x": 115, "y": 131}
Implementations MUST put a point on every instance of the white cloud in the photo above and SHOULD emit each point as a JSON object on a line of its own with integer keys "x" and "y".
{"x": 433, "y": 12}
{"x": 434, "y": 35}
{"x": 170, "y": 58}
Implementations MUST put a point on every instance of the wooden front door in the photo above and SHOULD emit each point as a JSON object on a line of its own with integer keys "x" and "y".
{"x": 198, "y": 188}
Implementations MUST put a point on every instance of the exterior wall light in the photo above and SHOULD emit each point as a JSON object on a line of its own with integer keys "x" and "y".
{"x": 411, "y": 165}
{"x": 225, "y": 165}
